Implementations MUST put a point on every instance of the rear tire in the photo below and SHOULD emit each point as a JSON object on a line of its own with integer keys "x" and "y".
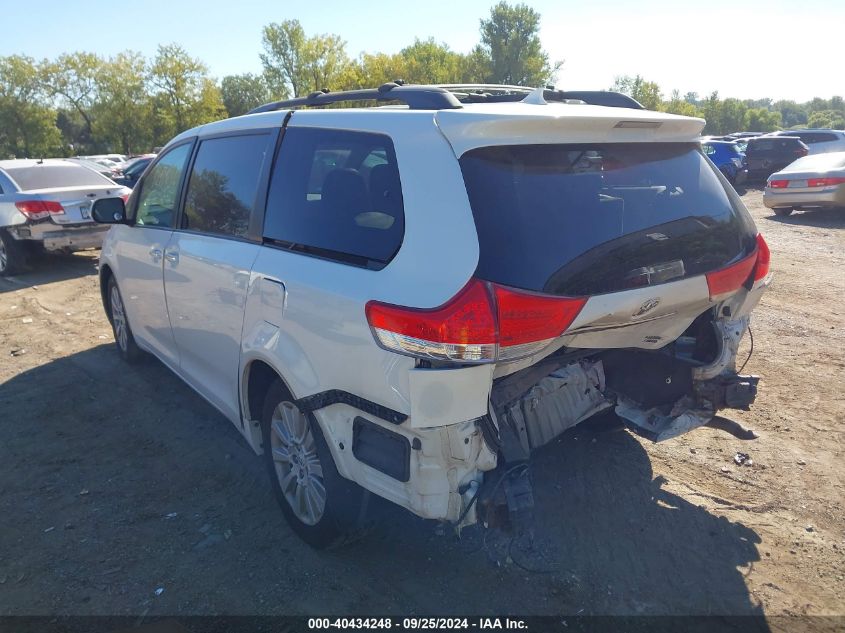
{"x": 123, "y": 337}
{"x": 783, "y": 211}
{"x": 13, "y": 255}
{"x": 322, "y": 507}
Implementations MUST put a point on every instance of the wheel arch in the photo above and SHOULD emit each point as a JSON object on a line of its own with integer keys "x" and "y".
{"x": 105, "y": 274}
{"x": 256, "y": 378}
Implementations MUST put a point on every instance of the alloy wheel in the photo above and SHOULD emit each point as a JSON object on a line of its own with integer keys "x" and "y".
{"x": 297, "y": 465}
{"x": 118, "y": 316}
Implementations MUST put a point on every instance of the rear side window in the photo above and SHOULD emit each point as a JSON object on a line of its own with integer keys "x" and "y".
{"x": 336, "y": 194}
{"x": 816, "y": 137}
{"x": 590, "y": 219}
{"x": 56, "y": 177}
{"x": 223, "y": 184}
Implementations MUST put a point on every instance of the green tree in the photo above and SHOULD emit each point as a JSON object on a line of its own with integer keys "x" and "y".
{"x": 242, "y": 93}
{"x": 185, "y": 95}
{"x": 297, "y": 64}
{"x": 27, "y": 125}
{"x": 761, "y": 120}
{"x": 828, "y": 119}
{"x": 427, "y": 62}
{"x": 510, "y": 41}
{"x": 680, "y": 105}
{"x": 791, "y": 113}
{"x": 123, "y": 112}
{"x": 646, "y": 92}
{"x": 72, "y": 79}
{"x": 723, "y": 116}
{"x": 374, "y": 69}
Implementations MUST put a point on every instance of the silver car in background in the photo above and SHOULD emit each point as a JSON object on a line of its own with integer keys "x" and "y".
{"x": 46, "y": 205}
{"x": 815, "y": 181}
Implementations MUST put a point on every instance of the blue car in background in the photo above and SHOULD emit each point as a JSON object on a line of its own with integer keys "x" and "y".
{"x": 728, "y": 158}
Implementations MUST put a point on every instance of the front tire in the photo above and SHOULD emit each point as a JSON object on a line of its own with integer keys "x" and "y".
{"x": 783, "y": 211}
{"x": 13, "y": 255}
{"x": 322, "y": 507}
{"x": 123, "y": 337}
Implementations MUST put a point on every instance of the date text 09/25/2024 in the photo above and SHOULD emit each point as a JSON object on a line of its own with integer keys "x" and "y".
{"x": 408, "y": 624}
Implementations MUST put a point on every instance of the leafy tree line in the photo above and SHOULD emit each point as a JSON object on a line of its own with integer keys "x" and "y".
{"x": 83, "y": 103}
{"x": 724, "y": 116}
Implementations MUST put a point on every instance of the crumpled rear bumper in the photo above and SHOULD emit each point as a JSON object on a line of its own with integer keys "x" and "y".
{"x": 55, "y": 237}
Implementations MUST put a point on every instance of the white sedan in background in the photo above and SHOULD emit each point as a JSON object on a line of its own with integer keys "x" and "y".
{"x": 46, "y": 205}
{"x": 815, "y": 181}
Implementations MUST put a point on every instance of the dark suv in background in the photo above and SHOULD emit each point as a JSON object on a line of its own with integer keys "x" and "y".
{"x": 768, "y": 154}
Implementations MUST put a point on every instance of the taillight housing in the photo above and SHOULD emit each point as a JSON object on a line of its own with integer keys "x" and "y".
{"x": 725, "y": 281}
{"x": 778, "y": 184}
{"x": 764, "y": 259}
{"x": 39, "y": 209}
{"x": 483, "y": 323}
{"x": 825, "y": 182}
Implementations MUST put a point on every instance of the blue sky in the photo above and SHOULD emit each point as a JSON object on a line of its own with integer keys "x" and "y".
{"x": 741, "y": 47}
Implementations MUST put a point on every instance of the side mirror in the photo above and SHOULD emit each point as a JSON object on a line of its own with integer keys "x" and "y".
{"x": 109, "y": 211}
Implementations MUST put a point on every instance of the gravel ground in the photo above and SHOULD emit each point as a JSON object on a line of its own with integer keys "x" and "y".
{"x": 118, "y": 482}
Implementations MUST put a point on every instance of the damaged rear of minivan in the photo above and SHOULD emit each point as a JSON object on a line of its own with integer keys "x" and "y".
{"x": 611, "y": 276}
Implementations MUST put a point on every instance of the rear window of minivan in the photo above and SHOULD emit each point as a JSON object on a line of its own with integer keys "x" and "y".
{"x": 590, "y": 219}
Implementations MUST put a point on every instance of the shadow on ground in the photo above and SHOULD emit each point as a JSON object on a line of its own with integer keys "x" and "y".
{"x": 122, "y": 481}
{"x": 48, "y": 268}
{"x": 822, "y": 218}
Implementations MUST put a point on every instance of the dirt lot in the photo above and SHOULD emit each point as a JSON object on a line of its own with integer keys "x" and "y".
{"x": 117, "y": 481}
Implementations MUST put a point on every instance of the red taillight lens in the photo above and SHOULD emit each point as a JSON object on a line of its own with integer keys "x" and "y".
{"x": 724, "y": 281}
{"x": 462, "y": 329}
{"x": 38, "y": 209}
{"x": 125, "y": 198}
{"x": 764, "y": 258}
{"x": 824, "y": 182}
{"x": 482, "y": 323}
{"x": 528, "y": 322}
{"x": 778, "y": 184}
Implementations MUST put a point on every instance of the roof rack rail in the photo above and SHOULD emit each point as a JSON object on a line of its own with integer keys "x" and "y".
{"x": 450, "y": 96}
{"x": 416, "y": 97}
{"x": 493, "y": 93}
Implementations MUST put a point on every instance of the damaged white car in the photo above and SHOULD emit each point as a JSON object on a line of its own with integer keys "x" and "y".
{"x": 409, "y": 300}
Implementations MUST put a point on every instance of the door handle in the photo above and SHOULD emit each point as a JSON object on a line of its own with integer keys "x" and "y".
{"x": 155, "y": 254}
{"x": 172, "y": 256}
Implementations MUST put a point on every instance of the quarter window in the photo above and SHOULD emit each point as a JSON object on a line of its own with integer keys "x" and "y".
{"x": 223, "y": 184}
{"x": 336, "y": 194}
{"x": 159, "y": 195}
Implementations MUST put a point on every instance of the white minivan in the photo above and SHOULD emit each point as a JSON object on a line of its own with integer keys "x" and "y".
{"x": 409, "y": 300}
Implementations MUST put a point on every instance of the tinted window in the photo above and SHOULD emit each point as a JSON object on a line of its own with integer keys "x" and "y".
{"x": 159, "y": 195}
{"x": 136, "y": 168}
{"x": 588, "y": 219}
{"x": 56, "y": 176}
{"x": 336, "y": 194}
{"x": 816, "y": 137}
{"x": 772, "y": 145}
{"x": 223, "y": 184}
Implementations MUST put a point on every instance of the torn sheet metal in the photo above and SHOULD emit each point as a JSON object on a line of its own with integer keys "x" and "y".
{"x": 557, "y": 402}
{"x": 657, "y": 425}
